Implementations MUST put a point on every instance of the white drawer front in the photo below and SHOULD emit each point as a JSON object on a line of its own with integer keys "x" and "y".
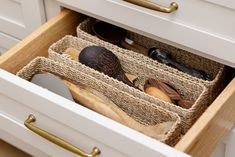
{"x": 73, "y": 123}
{"x": 16, "y": 113}
{"x": 198, "y": 26}
{"x": 19, "y": 17}
{"x": 17, "y": 135}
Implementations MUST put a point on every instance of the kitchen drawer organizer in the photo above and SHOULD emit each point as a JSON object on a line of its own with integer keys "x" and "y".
{"x": 188, "y": 89}
{"x": 142, "y": 111}
{"x": 216, "y": 70}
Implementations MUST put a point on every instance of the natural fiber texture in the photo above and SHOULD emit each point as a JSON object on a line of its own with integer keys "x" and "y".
{"x": 216, "y": 70}
{"x": 188, "y": 89}
{"x": 142, "y": 111}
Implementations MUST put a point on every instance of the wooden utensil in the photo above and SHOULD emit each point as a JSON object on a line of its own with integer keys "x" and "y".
{"x": 74, "y": 54}
{"x": 105, "y": 61}
{"x": 101, "y": 104}
{"x": 166, "y": 92}
{"x": 97, "y": 102}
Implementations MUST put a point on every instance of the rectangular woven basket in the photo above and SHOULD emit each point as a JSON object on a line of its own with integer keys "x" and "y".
{"x": 141, "y": 111}
{"x": 189, "y": 90}
{"x": 216, "y": 70}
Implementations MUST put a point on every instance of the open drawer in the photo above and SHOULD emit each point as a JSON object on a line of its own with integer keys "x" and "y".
{"x": 72, "y": 121}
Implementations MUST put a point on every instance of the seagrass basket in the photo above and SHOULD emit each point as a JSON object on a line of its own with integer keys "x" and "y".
{"x": 188, "y": 89}
{"x": 140, "y": 110}
{"x": 216, "y": 70}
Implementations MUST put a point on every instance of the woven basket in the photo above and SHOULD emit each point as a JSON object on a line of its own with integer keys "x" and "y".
{"x": 216, "y": 70}
{"x": 189, "y": 90}
{"x": 140, "y": 110}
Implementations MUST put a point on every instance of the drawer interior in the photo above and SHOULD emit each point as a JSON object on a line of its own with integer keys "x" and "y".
{"x": 200, "y": 140}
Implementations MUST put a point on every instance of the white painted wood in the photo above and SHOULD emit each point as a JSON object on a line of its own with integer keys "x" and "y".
{"x": 73, "y": 123}
{"x": 17, "y": 113}
{"x": 219, "y": 151}
{"x": 226, "y": 3}
{"x": 6, "y": 42}
{"x": 230, "y": 144}
{"x": 16, "y": 134}
{"x": 18, "y": 18}
{"x": 198, "y": 26}
{"x": 12, "y": 136}
{"x": 52, "y": 8}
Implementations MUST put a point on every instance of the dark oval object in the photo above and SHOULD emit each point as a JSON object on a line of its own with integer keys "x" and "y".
{"x": 109, "y": 32}
{"x": 103, "y": 60}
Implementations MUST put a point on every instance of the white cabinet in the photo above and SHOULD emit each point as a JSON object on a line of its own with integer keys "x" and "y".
{"x": 18, "y": 18}
{"x": 52, "y": 8}
{"x": 226, "y": 148}
{"x": 87, "y": 129}
{"x": 219, "y": 151}
{"x": 6, "y": 42}
{"x": 230, "y": 144}
{"x": 198, "y": 26}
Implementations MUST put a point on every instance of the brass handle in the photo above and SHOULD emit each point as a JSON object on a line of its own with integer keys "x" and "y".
{"x": 57, "y": 140}
{"x": 151, "y": 5}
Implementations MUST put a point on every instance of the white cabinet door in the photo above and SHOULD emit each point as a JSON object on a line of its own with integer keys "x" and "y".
{"x": 52, "y": 8}
{"x": 18, "y": 18}
{"x": 219, "y": 151}
{"x": 230, "y": 144}
{"x": 6, "y": 42}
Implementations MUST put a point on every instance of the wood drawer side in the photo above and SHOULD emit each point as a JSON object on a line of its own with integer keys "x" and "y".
{"x": 37, "y": 43}
{"x": 212, "y": 126}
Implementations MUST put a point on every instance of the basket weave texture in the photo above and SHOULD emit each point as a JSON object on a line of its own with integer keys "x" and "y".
{"x": 188, "y": 89}
{"x": 216, "y": 70}
{"x": 142, "y": 111}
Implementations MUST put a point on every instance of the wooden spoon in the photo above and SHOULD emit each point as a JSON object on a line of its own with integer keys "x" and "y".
{"x": 103, "y": 60}
{"x": 96, "y": 101}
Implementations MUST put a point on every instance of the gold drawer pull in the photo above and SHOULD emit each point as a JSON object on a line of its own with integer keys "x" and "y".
{"x": 151, "y": 5}
{"x": 57, "y": 140}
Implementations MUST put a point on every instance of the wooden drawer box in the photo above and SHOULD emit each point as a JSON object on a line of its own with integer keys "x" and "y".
{"x": 112, "y": 138}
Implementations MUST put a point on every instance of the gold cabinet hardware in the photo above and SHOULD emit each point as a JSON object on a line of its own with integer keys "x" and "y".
{"x": 28, "y": 123}
{"x": 151, "y": 5}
